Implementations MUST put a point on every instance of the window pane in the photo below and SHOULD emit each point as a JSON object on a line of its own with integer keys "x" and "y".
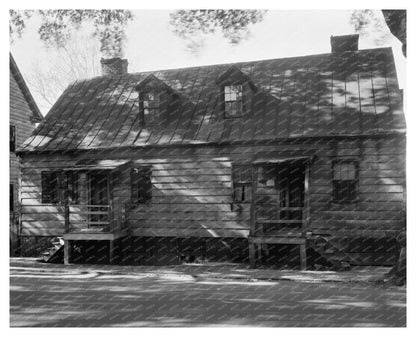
{"x": 344, "y": 171}
{"x": 233, "y": 93}
{"x": 337, "y": 171}
{"x": 351, "y": 171}
{"x": 237, "y": 174}
{"x": 345, "y": 191}
{"x": 149, "y": 96}
{"x": 230, "y": 109}
{"x": 238, "y": 193}
{"x": 239, "y": 106}
{"x": 151, "y": 105}
{"x": 247, "y": 192}
{"x": 233, "y": 100}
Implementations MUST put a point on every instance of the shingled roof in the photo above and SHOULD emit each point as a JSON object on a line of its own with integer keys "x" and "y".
{"x": 351, "y": 93}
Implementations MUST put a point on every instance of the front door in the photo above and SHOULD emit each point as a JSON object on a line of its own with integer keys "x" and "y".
{"x": 279, "y": 199}
{"x": 98, "y": 208}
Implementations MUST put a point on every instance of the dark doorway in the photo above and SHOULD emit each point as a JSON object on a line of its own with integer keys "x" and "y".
{"x": 279, "y": 198}
{"x": 99, "y": 197}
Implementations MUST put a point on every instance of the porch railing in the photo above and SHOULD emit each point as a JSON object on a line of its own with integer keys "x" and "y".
{"x": 91, "y": 218}
{"x": 291, "y": 222}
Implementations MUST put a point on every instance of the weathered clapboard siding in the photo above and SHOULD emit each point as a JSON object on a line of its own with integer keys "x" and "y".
{"x": 326, "y": 107}
{"x": 192, "y": 190}
{"x": 21, "y": 116}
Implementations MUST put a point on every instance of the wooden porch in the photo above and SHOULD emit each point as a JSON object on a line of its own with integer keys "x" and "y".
{"x": 91, "y": 222}
{"x": 280, "y": 211}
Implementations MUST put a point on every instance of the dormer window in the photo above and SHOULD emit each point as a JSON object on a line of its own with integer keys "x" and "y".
{"x": 151, "y": 106}
{"x": 233, "y": 101}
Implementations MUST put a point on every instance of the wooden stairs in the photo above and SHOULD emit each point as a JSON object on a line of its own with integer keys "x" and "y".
{"x": 55, "y": 253}
{"x": 330, "y": 253}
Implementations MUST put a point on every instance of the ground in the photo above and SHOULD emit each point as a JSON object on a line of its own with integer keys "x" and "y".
{"x": 66, "y": 296}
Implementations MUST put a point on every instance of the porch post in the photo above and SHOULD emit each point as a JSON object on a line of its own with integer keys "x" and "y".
{"x": 305, "y": 219}
{"x": 67, "y": 252}
{"x": 302, "y": 253}
{"x": 111, "y": 252}
{"x": 306, "y": 206}
{"x": 66, "y": 217}
{"x": 252, "y": 254}
{"x": 259, "y": 257}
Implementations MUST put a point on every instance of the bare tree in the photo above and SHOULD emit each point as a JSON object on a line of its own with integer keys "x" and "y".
{"x": 58, "y": 25}
{"x": 78, "y": 59}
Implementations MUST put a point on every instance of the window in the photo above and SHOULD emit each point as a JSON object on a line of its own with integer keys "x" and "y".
{"x": 56, "y": 186}
{"x": 151, "y": 107}
{"x": 233, "y": 101}
{"x": 141, "y": 185}
{"x": 345, "y": 181}
{"x": 242, "y": 183}
{"x": 11, "y": 197}
{"x": 50, "y": 188}
{"x": 12, "y": 138}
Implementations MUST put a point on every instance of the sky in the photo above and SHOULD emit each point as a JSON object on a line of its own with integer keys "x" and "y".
{"x": 151, "y": 44}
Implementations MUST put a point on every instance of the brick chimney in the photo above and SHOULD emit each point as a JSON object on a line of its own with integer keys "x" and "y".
{"x": 344, "y": 43}
{"x": 113, "y": 66}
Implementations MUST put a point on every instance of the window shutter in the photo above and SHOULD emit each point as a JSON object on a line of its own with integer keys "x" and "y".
{"x": 134, "y": 176}
{"x": 145, "y": 185}
{"x": 50, "y": 187}
{"x": 242, "y": 183}
{"x": 11, "y": 197}
{"x": 12, "y": 138}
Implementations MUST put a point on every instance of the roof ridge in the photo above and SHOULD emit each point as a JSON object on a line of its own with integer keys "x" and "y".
{"x": 148, "y": 72}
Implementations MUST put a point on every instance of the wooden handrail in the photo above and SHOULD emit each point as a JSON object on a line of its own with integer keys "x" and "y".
{"x": 93, "y": 212}
{"x": 97, "y": 206}
{"x": 84, "y": 221}
{"x": 278, "y": 221}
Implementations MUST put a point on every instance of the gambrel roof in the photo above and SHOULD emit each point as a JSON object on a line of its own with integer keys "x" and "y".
{"x": 351, "y": 93}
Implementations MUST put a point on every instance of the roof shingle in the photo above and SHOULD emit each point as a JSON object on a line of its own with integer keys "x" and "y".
{"x": 352, "y": 93}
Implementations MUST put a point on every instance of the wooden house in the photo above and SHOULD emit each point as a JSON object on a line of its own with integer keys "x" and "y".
{"x": 24, "y": 114}
{"x": 292, "y": 160}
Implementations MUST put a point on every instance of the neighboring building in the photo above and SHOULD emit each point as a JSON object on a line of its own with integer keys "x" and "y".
{"x": 274, "y": 160}
{"x": 24, "y": 114}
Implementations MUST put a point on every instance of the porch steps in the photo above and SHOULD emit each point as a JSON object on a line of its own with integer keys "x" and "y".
{"x": 332, "y": 253}
{"x": 54, "y": 253}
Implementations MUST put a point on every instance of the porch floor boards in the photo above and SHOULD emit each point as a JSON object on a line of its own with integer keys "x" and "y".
{"x": 94, "y": 234}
